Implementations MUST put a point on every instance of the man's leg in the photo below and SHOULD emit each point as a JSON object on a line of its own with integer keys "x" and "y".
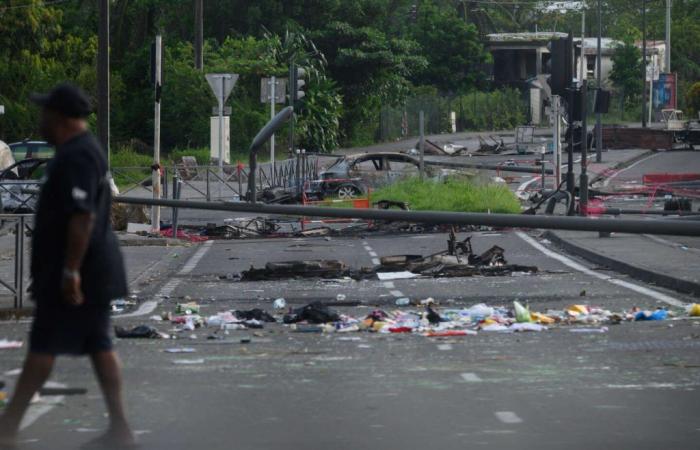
{"x": 108, "y": 371}
{"x": 37, "y": 368}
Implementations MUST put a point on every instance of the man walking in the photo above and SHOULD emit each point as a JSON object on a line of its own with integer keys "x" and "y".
{"x": 76, "y": 265}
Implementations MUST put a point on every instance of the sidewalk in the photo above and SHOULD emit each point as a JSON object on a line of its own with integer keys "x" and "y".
{"x": 668, "y": 262}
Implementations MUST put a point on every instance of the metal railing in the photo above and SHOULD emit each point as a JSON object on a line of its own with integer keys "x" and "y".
{"x": 16, "y": 285}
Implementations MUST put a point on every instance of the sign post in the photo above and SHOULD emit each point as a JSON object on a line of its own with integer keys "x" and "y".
{"x": 221, "y": 85}
{"x": 272, "y": 90}
{"x": 156, "y": 182}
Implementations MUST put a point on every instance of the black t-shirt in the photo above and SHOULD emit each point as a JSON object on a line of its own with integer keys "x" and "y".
{"x": 77, "y": 182}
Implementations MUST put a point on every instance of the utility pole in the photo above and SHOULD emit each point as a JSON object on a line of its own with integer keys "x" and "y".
{"x": 582, "y": 69}
{"x": 598, "y": 116}
{"x": 198, "y": 34}
{"x": 155, "y": 211}
{"x": 103, "y": 77}
{"x": 668, "y": 36}
{"x": 421, "y": 145}
{"x": 644, "y": 63}
{"x": 273, "y": 99}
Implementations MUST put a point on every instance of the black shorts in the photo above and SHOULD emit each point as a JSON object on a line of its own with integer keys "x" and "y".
{"x": 63, "y": 330}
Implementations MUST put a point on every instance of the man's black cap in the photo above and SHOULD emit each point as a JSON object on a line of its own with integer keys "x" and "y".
{"x": 67, "y": 99}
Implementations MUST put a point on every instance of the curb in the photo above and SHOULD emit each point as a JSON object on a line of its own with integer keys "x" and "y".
{"x": 619, "y": 166}
{"x": 659, "y": 279}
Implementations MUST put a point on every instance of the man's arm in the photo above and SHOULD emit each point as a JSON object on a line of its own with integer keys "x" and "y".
{"x": 79, "y": 231}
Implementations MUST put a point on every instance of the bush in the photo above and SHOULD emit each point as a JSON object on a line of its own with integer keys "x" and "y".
{"x": 453, "y": 194}
{"x": 692, "y": 100}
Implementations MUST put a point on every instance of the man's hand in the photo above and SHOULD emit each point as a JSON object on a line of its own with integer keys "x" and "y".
{"x": 70, "y": 288}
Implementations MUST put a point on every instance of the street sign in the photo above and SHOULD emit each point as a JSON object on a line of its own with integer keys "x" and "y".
{"x": 652, "y": 72}
{"x": 221, "y": 85}
{"x": 2, "y": 109}
{"x": 266, "y": 90}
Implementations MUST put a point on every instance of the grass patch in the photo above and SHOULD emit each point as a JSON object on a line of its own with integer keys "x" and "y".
{"x": 453, "y": 194}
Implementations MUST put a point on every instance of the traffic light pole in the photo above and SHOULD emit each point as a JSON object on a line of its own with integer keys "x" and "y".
{"x": 583, "y": 179}
{"x": 570, "y": 180}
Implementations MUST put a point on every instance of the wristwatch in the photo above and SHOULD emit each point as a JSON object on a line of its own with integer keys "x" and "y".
{"x": 72, "y": 274}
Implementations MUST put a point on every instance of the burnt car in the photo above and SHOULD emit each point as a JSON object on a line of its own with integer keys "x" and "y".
{"x": 19, "y": 185}
{"x": 351, "y": 176}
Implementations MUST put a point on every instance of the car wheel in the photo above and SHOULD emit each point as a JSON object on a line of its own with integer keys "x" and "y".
{"x": 347, "y": 192}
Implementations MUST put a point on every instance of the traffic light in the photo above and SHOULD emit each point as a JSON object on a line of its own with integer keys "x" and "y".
{"x": 413, "y": 13}
{"x": 297, "y": 83}
{"x": 561, "y": 65}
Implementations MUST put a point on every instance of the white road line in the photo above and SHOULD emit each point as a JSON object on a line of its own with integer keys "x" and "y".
{"x": 376, "y": 261}
{"x": 576, "y": 266}
{"x": 168, "y": 288}
{"x": 444, "y": 347}
{"x": 194, "y": 260}
{"x": 47, "y": 403}
{"x": 614, "y": 175}
{"x": 519, "y": 192}
{"x": 396, "y": 293}
{"x": 389, "y": 284}
{"x": 373, "y": 254}
{"x": 471, "y": 377}
{"x": 508, "y": 417}
{"x": 368, "y": 248}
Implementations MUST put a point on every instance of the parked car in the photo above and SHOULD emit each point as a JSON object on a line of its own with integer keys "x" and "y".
{"x": 350, "y": 176}
{"x": 32, "y": 150}
{"x": 19, "y": 185}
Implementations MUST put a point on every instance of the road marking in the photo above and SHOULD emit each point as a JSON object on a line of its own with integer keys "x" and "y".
{"x": 614, "y": 175}
{"x": 519, "y": 192}
{"x": 576, "y": 266}
{"x": 508, "y": 417}
{"x": 389, "y": 284}
{"x": 373, "y": 254}
{"x": 194, "y": 260}
{"x": 47, "y": 403}
{"x": 376, "y": 261}
{"x": 368, "y": 248}
{"x": 396, "y": 293}
{"x": 444, "y": 347}
{"x": 168, "y": 288}
{"x": 471, "y": 377}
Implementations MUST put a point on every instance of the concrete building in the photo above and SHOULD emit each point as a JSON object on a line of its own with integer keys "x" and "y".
{"x": 521, "y": 60}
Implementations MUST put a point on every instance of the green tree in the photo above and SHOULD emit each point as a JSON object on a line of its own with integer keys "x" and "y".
{"x": 452, "y": 48}
{"x": 626, "y": 72}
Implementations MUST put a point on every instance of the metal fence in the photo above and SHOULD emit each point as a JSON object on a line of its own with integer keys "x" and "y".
{"x": 209, "y": 182}
{"x": 16, "y": 285}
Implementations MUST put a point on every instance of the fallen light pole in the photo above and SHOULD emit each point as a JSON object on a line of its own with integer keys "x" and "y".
{"x": 521, "y": 169}
{"x": 656, "y": 226}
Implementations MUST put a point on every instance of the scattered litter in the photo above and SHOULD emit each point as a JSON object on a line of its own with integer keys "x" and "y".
{"x": 527, "y": 327}
{"x": 522, "y": 314}
{"x": 659, "y": 314}
{"x": 314, "y": 313}
{"x": 340, "y": 297}
{"x": 255, "y": 314}
{"x": 279, "y": 303}
{"x": 6, "y": 344}
{"x": 187, "y": 308}
{"x": 694, "y": 310}
{"x": 403, "y": 301}
{"x": 139, "y": 332}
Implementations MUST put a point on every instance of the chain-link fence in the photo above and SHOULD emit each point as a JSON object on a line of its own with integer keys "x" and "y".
{"x": 478, "y": 111}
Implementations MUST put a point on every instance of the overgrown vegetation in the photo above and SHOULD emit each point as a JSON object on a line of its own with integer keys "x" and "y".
{"x": 453, "y": 194}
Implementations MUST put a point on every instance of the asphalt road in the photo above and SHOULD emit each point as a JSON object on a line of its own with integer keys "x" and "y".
{"x": 632, "y": 387}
